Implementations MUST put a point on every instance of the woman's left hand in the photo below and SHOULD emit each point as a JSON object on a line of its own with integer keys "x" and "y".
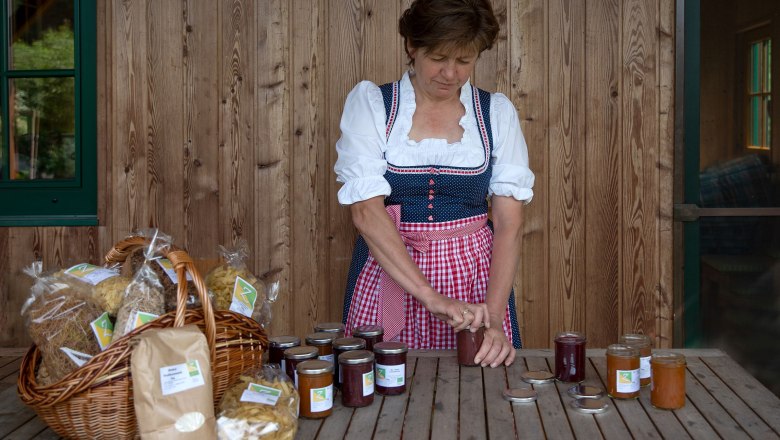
{"x": 495, "y": 349}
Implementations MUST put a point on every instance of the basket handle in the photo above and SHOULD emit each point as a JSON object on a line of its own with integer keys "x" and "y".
{"x": 183, "y": 264}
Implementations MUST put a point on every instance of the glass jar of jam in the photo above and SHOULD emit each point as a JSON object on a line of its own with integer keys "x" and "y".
{"x": 622, "y": 371}
{"x": 315, "y": 387}
{"x": 468, "y": 344}
{"x": 343, "y": 345}
{"x": 570, "y": 356}
{"x": 295, "y": 355}
{"x": 357, "y": 375}
{"x": 324, "y": 343}
{"x": 667, "y": 389}
{"x": 644, "y": 344}
{"x": 371, "y": 333}
{"x": 390, "y": 368}
{"x": 336, "y": 328}
{"x": 277, "y": 345}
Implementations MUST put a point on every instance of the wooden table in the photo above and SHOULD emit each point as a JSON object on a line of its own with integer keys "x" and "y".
{"x": 445, "y": 401}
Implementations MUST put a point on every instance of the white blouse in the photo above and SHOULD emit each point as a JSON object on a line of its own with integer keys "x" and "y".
{"x": 363, "y": 150}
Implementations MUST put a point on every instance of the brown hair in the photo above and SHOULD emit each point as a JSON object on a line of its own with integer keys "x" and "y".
{"x": 449, "y": 25}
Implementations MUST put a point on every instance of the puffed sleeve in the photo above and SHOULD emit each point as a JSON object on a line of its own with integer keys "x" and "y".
{"x": 511, "y": 175}
{"x": 361, "y": 163}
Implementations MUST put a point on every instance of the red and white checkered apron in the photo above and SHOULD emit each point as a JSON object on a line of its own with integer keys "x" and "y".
{"x": 457, "y": 267}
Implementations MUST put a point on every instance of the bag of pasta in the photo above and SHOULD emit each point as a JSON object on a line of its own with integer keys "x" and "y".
{"x": 105, "y": 284}
{"x": 235, "y": 288}
{"x": 164, "y": 270}
{"x": 262, "y": 403}
{"x": 63, "y": 323}
{"x": 143, "y": 298}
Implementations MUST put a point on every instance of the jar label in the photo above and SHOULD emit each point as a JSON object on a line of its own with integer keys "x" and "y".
{"x": 390, "y": 375}
{"x": 368, "y": 383}
{"x": 283, "y": 364}
{"x": 627, "y": 381}
{"x": 321, "y": 398}
{"x": 327, "y": 357}
{"x": 644, "y": 367}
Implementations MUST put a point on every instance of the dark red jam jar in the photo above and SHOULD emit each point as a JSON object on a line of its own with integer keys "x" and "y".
{"x": 468, "y": 345}
{"x": 371, "y": 333}
{"x": 357, "y": 370}
{"x": 324, "y": 343}
{"x": 343, "y": 345}
{"x": 570, "y": 357}
{"x": 277, "y": 345}
{"x": 293, "y": 356}
{"x": 336, "y": 328}
{"x": 390, "y": 368}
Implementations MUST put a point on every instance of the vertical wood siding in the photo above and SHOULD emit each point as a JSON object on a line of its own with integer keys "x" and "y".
{"x": 218, "y": 119}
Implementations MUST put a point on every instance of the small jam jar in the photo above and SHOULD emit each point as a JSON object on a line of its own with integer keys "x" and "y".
{"x": 330, "y": 327}
{"x": 357, "y": 371}
{"x": 324, "y": 343}
{"x": 315, "y": 387}
{"x": 643, "y": 344}
{"x": 295, "y": 355}
{"x": 276, "y": 348}
{"x": 371, "y": 333}
{"x": 622, "y": 371}
{"x": 390, "y": 367}
{"x": 667, "y": 389}
{"x": 468, "y": 345}
{"x": 570, "y": 357}
{"x": 343, "y": 345}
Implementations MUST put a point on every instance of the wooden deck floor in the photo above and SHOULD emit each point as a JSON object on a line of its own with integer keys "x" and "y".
{"x": 446, "y": 401}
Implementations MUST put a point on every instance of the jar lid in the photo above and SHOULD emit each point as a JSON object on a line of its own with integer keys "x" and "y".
{"x": 540, "y": 376}
{"x": 284, "y": 341}
{"x": 320, "y": 338}
{"x": 356, "y": 357}
{"x": 329, "y": 327}
{"x": 349, "y": 343}
{"x": 368, "y": 330}
{"x": 520, "y": 395}
{"x": 390, "y": 347}
{"x": 590, "y": 406}
{"x": 570, "y": 337}
{"x": 314, "y": 367}
{"x": 623, "y": 350}
{"x": 668, "y": 358}
{"x": 581, "y": 391}
{"x": 635, "y": 340}
{"x": 301, "y": 353}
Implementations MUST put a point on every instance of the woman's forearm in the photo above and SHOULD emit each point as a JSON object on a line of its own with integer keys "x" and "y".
{"x": 507, "y": 239}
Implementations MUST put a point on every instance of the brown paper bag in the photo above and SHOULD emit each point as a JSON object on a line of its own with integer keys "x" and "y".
{"x": 172, "y": 385}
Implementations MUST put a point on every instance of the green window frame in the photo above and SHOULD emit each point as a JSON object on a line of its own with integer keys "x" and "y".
{"x": 62, "y": 202}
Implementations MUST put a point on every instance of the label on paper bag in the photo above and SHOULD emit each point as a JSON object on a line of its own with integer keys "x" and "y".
{"x": 368, "y": 383}
{"x": 244, "y": 297}
{"x": 103, "y": 329}
{"x": 77, "y": 357}
{"x": 90, "y": 273}
{"x": 321, "y": 398}
{"x": 167, "y": 267}
{"x": 181, "y": 377}
{"x": 627, "y": 381}
{"x": 261, "y": 394}
{"x": 644, "y": 367}
{"x": 390, "y": 376}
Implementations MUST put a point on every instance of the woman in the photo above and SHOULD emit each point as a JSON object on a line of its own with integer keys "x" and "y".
{"x": 418, "y": 159}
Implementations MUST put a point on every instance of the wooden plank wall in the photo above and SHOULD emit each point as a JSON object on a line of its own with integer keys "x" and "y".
{"x": 218, "y": 120}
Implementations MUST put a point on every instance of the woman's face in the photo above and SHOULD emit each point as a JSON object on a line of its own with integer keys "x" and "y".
{"x": 439, "y": 74}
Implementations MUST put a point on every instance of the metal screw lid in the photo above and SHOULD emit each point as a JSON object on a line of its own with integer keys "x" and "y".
{"x": 314, "y": 367}
{"x": 320, "y": 338}
{"x": 349, "y": 343}
{"x": 356, "y": 357}
{"x": 581, "y": 391}
{"x": 368, "y": 330}
{"x": 390, "y": 347}
{"x": 298, "y": 353}
{"x": 286, "y": 341}
{"x": 589, "y": 406}
{"x": 520, "y": 395}
{"x": 330, "y": 327}
{"x": 537, "y": 377}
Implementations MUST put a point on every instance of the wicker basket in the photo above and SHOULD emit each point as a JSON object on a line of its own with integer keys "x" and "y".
{"x": 96, "y": 400}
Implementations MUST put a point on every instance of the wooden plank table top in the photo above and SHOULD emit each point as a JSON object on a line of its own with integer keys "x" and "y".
{"x": 446, "y": 401}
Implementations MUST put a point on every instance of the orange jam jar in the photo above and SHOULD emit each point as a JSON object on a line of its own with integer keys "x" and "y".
{"x": 357, "y": 372}
{"x": 293, "y": 356}
{"x": 622, "y": 371}
{"x": 667, "y": 390}
{"x": 276, "y": 347}
{"x": 371, "y": 333}
{"x": 315, "y": 387}
{"x": 644, "y": 344}
{"x": 324, "y": 343}
{"x": 336, "y": 328}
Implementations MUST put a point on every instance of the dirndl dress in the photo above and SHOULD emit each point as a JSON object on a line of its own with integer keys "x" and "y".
{"x": 433, "y": 198}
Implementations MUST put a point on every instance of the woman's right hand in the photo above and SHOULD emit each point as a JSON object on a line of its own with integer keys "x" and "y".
{"x": 458, "y": 314}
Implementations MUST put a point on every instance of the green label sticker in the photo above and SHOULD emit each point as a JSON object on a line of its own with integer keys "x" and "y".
{"x": 262, "y": 389}
{"x": 81, "y": 270}
{"x": 193, "y": 368}
{"x": 103, "y": 329}
{"x": 245, "y": 292}
{"x": 142, "y": 318}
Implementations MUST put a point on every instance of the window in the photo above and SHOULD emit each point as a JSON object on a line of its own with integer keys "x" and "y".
{"x": 48, "y": 170}
{"x": 757, "y": 109}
